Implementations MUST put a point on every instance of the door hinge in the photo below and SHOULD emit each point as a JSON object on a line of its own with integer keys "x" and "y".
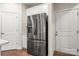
{"x": 77, "y": 31}
{"x": 77, "y": 50}
{"x": 77, "y": 14}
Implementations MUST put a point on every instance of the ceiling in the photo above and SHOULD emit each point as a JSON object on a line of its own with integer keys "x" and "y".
{"x": 31, "y": 4}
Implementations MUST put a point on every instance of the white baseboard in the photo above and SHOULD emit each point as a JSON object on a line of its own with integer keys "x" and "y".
{"x": 19, "y": 47}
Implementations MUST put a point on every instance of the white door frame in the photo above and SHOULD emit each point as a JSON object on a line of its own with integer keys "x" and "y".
{"x": 68, "y": 10}
{"x": 17, "y": 25}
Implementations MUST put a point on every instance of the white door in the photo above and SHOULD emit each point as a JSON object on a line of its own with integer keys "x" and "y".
{"x": 0, "y": 25}
{"x": 66, "y": 31}
{"x": 9, "y": 30}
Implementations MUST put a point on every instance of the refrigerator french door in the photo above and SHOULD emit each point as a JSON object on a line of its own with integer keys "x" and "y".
{"x": 37, "y": 34}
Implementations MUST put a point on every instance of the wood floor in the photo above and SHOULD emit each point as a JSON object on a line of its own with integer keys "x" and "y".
{"x": 15, "y": 53}
{"x": 58, "y": 53}
{"x": 24, "y": 53}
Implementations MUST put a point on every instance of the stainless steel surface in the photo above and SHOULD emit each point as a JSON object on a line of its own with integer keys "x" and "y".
{"x": 36, "y": 42}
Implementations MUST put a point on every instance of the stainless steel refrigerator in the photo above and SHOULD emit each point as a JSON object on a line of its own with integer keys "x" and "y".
{"x": 37, "y": 34}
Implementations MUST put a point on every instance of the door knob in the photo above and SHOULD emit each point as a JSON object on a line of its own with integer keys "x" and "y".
{"x": 56, "y": 34}
{"x": 77, "y": 50}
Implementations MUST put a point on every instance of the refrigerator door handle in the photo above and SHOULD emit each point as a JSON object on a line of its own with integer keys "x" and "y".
{"x": 32, "y": 25}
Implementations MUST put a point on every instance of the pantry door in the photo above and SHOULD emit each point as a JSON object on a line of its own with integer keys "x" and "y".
{"x": 66, "y": 31}
{"x": 9, "y": 30}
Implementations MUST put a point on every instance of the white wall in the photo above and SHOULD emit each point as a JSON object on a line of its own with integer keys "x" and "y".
{"x": 51, "y": 29}
{"x": 15, "y": 8}
{"x": 64, "y": 6}
{"x": 24, "y": 28}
